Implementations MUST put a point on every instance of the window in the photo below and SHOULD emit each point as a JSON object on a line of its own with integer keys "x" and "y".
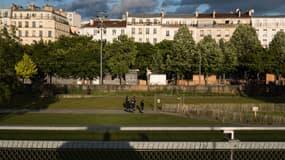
{"x": 15, "y": 15}
{"x": 34, "y": 24}
{"x": 140, "y": 40}
{"x": 26, "y": 24}
{"x": 148, "y": 22}
{"x": 167, "y": 33}
{"x": 133, "y": 20}
{"x": 147, "y": 30}
{"x": 114, "y": 32}
{"x": 201, "y": 33}
{"x": 219, "y": 33}
{"x": 27, "y": 33}
{"x": 20, "y": 24}
{"x": 141, "y": 21}
{"x": 122, "y": 31}
{"x": 33, "y": 33}
{"x": 147, "y": 40}
{"x": 40, "y": 24}
{"x": 155, "y": 21}
{"x": 49, "y": 33}
{"x": 20, "y": 33}
{"x": 264, "y": 35}
{"x": 265, "y": 30}
{"x": 133, "y": 30}
{"x": 40, "y": 33}
{"x": 154, "y": 31}
{"x": 21, "y": 15}
{"x": 273, "y": 30}
{"x": 154, "y": 41}
{"x": 140, "y": 31}
{"x": 227, "y": 33}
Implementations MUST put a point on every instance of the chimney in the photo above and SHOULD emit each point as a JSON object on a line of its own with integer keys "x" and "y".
{"x": 163, "y": 12}
{"x": 32, "y": 7}
{"x": 91, "y": 22}
{"x": 214, "y": 14}
{"x": 196, "y": 13}
{"x": 251, "y": 12}
{"x": 127, "y": 14}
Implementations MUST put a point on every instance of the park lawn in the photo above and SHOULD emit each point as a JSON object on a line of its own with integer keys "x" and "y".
{"x": 114, "y": 135}
{"x": 109, "y": 103}
{"x": 128, "y": 119}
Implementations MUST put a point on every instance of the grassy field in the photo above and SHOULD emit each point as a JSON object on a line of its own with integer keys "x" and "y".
{"x": 113, "y": 135}
{"x": 262, "y": 136}
{"x": 116, "y": 102}
{"x": 104, "y": 120}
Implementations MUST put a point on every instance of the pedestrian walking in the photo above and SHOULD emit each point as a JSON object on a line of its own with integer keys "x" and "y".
{"x": 127, "y": 104}
{"x": 142, "y": 106}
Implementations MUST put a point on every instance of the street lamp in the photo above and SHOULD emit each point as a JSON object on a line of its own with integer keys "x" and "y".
{"x": 101, "y": 26}
{"x": 200, "y": 63}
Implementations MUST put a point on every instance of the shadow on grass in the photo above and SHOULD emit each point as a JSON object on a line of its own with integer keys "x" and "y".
{"x": 270, "y": 93}
{"x": 27, "y": 98}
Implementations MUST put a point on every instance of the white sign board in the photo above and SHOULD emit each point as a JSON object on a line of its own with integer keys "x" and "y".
{"x": 255, "y": 109}
{"x": 157, "y": 79}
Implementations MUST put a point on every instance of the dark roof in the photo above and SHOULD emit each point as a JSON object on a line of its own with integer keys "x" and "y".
{"x": 223, "y": 15}
{"x": 273, "y": 16}
{"x": 107, "y": 24}
{"x": 144, "y": 15}
{"x": 179, "y": 16}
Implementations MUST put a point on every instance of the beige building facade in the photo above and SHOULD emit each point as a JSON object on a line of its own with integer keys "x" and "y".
{"x": 267, "y": 26}
{"x": 5, "y": 15}
{"x": 34, "y": 23}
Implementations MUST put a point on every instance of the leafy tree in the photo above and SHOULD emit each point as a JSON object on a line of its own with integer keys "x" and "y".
{"x": 26, "y": 68}
{"x": 248, "y": 48}
{"x": 181, "y": 59}
{"x": 145, "y": 52}
{"x": 121, "y": 55}
{"x": 211, "y": 55}
{"x": 163, "y": 50}
{"x": 230, "y": 60}
{"x": 10, "y": 53}
{"x": 277, "y": 54}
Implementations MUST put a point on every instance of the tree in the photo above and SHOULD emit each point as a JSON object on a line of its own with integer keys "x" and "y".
{"x": 121, "y": 55}
{"x": 211, "y": 55}
{"x": 181, "y": 59}
{"x": 248, "y": 47}
{"x": 230, "y": 60}
{"x": 26, "y": 68}
{"x": 145, "y": 52}
{"x": 10, "y": 53}
{"x": 277, "y": 54}
{"x": 163, "y": 50}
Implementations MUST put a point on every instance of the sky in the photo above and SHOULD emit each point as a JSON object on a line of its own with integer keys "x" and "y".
{"x": 116, "y": 8}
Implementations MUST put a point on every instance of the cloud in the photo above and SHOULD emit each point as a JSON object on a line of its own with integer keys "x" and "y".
{"x": 260, "y": 6}
{"x": 115, "y": 8}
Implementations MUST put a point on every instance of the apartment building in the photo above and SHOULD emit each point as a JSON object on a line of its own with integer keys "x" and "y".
{"x": 33, "y": 23}
{"x": 267, "y": 26}
{"x": 5, "y": 14}
{"x": 74, "y": 20}
{"x": 154, "y": 28}
{"x": 111, "y": 28}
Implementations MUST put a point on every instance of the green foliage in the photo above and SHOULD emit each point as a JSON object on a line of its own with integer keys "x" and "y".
{"x": 277, "y": 53}
{"x": 163, "y": 50}
{"x": 181, "y": 59}
{"x": 121, "y": 55}
{"x": 211, "y": 55}
{"x": 145, "y": 52}
{"x": 248, "y": 48}
{"x": 26, "y": 68}
{"x": 230, "y": 60}
{"x": 10, "y": 53}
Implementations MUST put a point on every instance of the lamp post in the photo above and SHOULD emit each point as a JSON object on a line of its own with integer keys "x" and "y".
{"x": 101, "y": 26}
{"x": 200, "y": 63}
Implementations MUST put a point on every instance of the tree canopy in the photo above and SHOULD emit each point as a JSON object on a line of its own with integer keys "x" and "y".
{"x": 26, "y": 68}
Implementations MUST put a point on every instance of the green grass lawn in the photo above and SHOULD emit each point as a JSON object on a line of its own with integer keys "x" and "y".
{"x": 116, "y": 102}
{"x": 104, "y": 120}
{"x": 114, "y": 135}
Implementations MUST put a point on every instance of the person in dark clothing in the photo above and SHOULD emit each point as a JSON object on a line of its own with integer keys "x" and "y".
{"x": 133, "y": 104}
{"x": 127, "y": 104}
{"x": 142, "y": 106}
